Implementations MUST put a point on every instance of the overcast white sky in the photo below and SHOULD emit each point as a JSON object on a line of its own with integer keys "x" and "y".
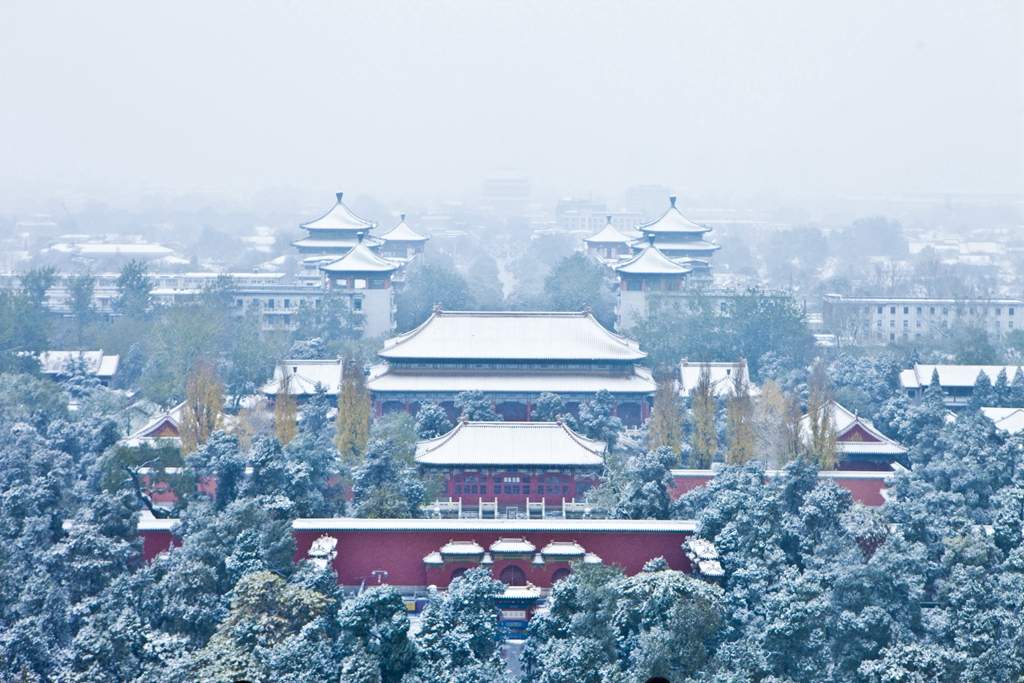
{"x": 425, "y": 98}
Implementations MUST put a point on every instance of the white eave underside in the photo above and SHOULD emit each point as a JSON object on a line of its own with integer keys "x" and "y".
{"x": 640, "y": 382}
{"x": 340, "y": 243}
{"x": 511, "y": 335}
{"x": 510, "y": 443}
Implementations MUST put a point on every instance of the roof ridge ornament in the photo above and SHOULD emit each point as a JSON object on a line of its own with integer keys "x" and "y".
{"x": 401, "y": 217}
{"x": 339, "y": 195}
{"x": 672, "y": 200}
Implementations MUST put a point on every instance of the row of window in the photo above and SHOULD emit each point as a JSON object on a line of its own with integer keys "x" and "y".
{"x": 932, "y": 310}
{"x": 945, "y": 324}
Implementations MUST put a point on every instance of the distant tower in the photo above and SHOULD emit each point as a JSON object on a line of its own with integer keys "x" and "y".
{"x": 680, "y": 239}
{"x": 610, "y": 243}
{"x": 365, "y": 280}
{"x": 402, "y": 241}
{"x": 333, "y": 235}
{"x": 642, "y": 279}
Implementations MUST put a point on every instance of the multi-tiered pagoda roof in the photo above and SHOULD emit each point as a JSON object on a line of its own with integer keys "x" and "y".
{"x": 677, "y": 237}
{"x": 336, "y": 232}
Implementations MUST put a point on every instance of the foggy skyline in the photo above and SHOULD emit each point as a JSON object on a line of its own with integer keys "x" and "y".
{"x": 423, "y": 100}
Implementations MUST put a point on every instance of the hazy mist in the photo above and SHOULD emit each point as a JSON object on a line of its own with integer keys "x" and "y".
{"x": 425, "y": 98}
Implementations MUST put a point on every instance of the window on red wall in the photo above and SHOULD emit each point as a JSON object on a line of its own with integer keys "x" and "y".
{"x": 512, "y": 576}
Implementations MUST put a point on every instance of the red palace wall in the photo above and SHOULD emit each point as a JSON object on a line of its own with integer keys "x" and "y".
{"x": 401, "y": 553}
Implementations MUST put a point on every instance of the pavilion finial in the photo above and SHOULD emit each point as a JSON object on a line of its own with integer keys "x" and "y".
{"x": 339, "y": 195}
{"x": 672, "y": 200}
{"x": 650, "y": 238}
{"x": 360, "y": 235}
{"x": 609, "y": 217}
{"x": 401, "y": 216}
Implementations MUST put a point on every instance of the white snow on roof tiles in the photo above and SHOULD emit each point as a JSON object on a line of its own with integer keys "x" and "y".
{"x": 651, "y": 261}
{"x": 92, "y": 362}
{"x": 845, "y": 420}
{"x": 511, "y": 335}
{"x": 672, "y": 221}
{"x": 500, "y": 525}
{"x": 382, "y": 380}
{"x": 722, "y": 374}
{"x": 403, "y": 233}
{"x": 952, "y": 375}
{"x": 304, "y": 375}
{"x": 360, "y": 260}
{"x": 609, "y": 234}
{"x": 511, "y": 443}
{"x": 512, "y": 546}
{"x": 563, "y": 549}
{"x": 340, "y": 217}
{"x": 1009, "y": 420}
{"x": 462, "y": 548}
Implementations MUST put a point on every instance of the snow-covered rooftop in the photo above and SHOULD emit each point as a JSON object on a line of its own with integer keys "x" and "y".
{"x": 340, "y": 217}
{"x": 722, "y": 374}
{"x": 609, "y": 234}
{"x": 303, "y": 376}
{"x": 961, "y": 376}
{"x": 360, "y": 259}
{"x": 672, "y": 221}
{"x": 403, "y": 233}
{"x": 511, "y": 335}
{"x": 499, "y": 525}
{"x": 855, "y": 435}
{"x": 1009, "y": 420}
{"x": 91, "y": 362}
{"x": 563, "y": 549}
{"x": 511, "y": 443}
{"x": 512, "y": 546}
{"x": 651, "y": 261}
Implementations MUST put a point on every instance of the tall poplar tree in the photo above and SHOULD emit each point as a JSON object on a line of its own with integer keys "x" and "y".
{"x": 822, "y": 437}
{"x": 204, "y": 404}
{"x": 704, "y": 437}
{"x": 666, "y": 426}
{"x": 285, "y": 411}
{"x": 353, "y": 421}
{"x": 740, "y": 416}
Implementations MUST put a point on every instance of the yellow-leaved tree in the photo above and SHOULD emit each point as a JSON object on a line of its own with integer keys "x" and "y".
{"x": 353, "y": 421}
{"x": 204, "y": 405}
{"x": 666, "y": 426}
{"x": 285, "y": 410}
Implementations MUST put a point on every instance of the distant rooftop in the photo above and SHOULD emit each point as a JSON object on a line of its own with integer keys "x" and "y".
{"x": 511, "y": 443}
{"x": 340, "y": 217}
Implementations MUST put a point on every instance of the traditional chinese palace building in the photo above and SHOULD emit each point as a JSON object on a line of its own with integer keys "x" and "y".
{"x": 512, "y": 357}
{"x": 859, "y": 444}
{"x": 512, "y": 468}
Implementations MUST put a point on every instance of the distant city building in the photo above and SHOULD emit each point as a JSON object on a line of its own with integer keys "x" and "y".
{"x": 956, "y": 381}
{"x": 882, "y": 320}
{"x": 512, "y": 357}
{"x": 507, "y": 194}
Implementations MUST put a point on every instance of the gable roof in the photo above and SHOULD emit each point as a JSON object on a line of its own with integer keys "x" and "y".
{"x": 403, "y": 233}
{"x": 1009, "y": 420}
{"x": 340, "y": 217}
{"x": 672, "y": 221}
{"x": 511, "y": 335}
{"x": 304, "y": 375}
{"x": 511, "y": 443}
{"x": 360, "y": 260}
{"x": 93, "y": 362}
{"x": 855, "y": 428}
{"x": 651, "y": 261}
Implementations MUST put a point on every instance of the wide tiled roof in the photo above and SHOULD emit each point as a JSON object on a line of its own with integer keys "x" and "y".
{"x": 499, "y": 525}
{"x": 844, "y": 421}
{"x": 92, "y": 362}
{"x": 952, "y": 375}
{"x": 384, "y": 380}
{"x": 403, "y": 233}
{"x": 672, "y": 221}
{"x": 360, "y": 260}
{"x": 340, "y": 217}
{"x": 651, "y": 261}
{"x": 511, "y": 335}
{"x": 511, "y": 443}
